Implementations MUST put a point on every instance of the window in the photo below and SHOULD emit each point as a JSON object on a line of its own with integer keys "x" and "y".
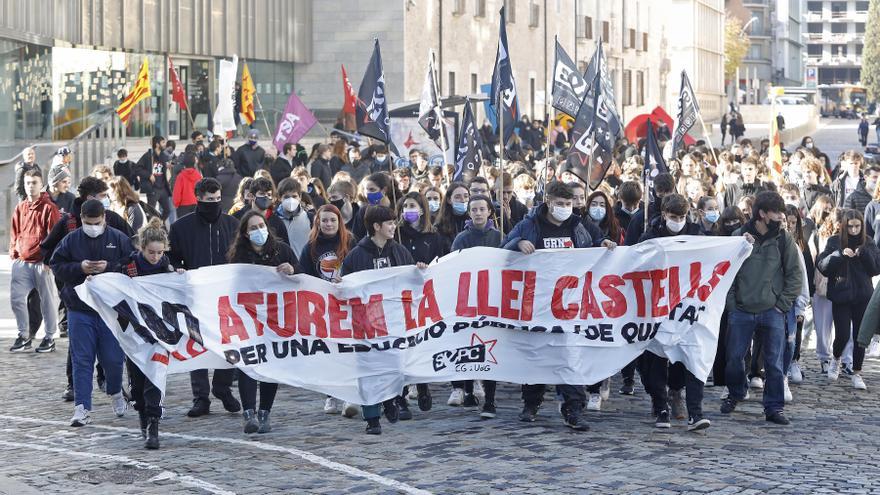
{"x": 479, "y": 8}
{"x": 816, "y": 6}
{"x": 532, "y": 96}
{"x": 838, "y": 50}
{"x": 640, "y": 88}
{"x": 450, "y": 88}
{"x": 860, "y": 27}
{"x": 606, "y": 31}
{"x": 755, "y": 52}
{"x": 585, "y": 27}
{"x": 838, "y": 9}
{"x": 473, "y": 83}
{"x": 838, "y": 28}
{"x": 631, "y": 38}
{"x": 862, "y": 6}
{"x": 645, "y": 42}
{"x": 859, "y": 49}
{"x": 534, "y": 15}
{"x": 814, "y": 50}
{"x": 814, "y": 27}
{"x": 459, "y": 7}
{"x": 627, "y": 88}
{"x": 510, "y": 10}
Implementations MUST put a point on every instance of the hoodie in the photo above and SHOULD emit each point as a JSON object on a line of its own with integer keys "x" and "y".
{"x": 473, "y": 236}
{"x": 31, "y": 223}
{"x": 368, "y": 256}
{"x": 530, "y": 229}
{"x": 185, "y": 187}
{"x": 324, "y": 264}
{"x": 138, "y": 266}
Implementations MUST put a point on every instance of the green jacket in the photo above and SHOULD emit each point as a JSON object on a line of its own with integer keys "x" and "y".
{"x": 871, "y": 320}
{"x": 768, "y": 278}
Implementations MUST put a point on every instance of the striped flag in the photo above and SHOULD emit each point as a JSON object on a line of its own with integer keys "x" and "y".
{"x": 775, "y": 151}
{"x": 140, "y": 91}
{"x": 247, "y": 95}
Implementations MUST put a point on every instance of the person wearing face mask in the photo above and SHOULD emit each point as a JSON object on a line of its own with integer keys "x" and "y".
{"x": 434, "y": 198}
{"x": 708, "y": 215}
{"x": 152, "y": 172}
{"x": 552, "y": 226}
{"x": 250, "y": 157}
{"x": 379, "y": 190}
{"x": 524, "y": 189}
{"x": 263, "y": 192}
{"x": 342, "y": 195}
{"x": 377, "y": 250}
{"x": 184, "y": 197}
{"x": 863, "y": 194}
{"x": 453, "y": 212}
{"x": 664, "y": 184}
{"x": 849, "y": 261}
{"x": 816, "y": 181}
{"x": 123, "y": 167}
{"x": 291, "y": 222}
{"x": 763, "y": 291}
{"x": 283, "y": 165}
{"x": 629, "y": 196}
{"x": 199, "y": 239}
{"x": 657, "y": 373}
{"x": 598, "y": 212}
{"x": 357, "y": 169}
{"x": 381, "y": 161}
{"x": 90, "y": 250}
{"x": 148, "y": 259}
{"x": 256, "y": 244}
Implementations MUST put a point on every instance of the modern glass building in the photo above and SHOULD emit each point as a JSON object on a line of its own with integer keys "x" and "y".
{"x": 66, "y": 63}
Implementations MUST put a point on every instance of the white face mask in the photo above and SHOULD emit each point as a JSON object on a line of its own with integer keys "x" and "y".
{"x": 674, "y": 227}
{"x": 434, "y": 205}
{"x": 93, "y": 231}
{"x": 560, "y": 213}
{"x": 526, "y": 196}
{"x": 290, "y": 204}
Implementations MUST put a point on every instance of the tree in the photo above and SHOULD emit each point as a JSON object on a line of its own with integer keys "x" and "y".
{"x": 736, "y": 45}
{"x": 871, "y": 52}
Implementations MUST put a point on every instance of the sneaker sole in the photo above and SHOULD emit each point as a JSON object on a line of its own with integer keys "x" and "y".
{"x": 699, "y": 426}
{"x": 527, "y": 420}
{"x": 663, "y": 425}
{"x": 44, "y": 351}
{"x": 487, "y": 415}
{"x": 77, "y": 424}
{"x": 22, "y": 349}
{"x": 331, "y": 411}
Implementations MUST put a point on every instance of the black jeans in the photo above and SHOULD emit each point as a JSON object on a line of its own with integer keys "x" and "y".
{"x": 847, "y": 320}
{"x": 144, "y": 393}
{"x": 35, "y": 315}
{"x": 573, "y": 396}
{"x": 163, "y": 198}
{"x": 720, "y": 363}
{"x": 629, "y": 371}
{"x": 657, "y": 375}
{"x": 756, "y": 356}
{"x": 220, "y": 385}
{"x": 797, "y": 342}
{"x": 247, "y": 390}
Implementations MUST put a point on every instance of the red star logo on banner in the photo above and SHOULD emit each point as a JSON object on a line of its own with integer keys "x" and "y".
{"x": 410, "y": 142}
{"x": 489, "y": 344}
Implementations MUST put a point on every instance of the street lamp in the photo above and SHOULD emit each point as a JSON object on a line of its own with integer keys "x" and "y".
{"x": 742, "y": 32}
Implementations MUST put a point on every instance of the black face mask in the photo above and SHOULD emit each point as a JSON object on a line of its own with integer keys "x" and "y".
{"x": 773, "y": 225}
{"x": 338, "y": 203}
{"x": 263, "y": 202}
{"x": 208, "y": 210}
{"x": 729, "y": 229}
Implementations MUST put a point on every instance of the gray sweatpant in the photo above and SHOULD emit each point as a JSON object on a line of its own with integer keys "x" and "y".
{"x": 26, "y": 277}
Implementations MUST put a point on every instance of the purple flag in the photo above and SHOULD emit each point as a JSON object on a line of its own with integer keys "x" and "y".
{"x": 294, "y": 123}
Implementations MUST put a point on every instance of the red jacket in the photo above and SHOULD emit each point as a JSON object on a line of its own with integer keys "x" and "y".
{"x": 185, "y": 187}
{"x": 31, "y": 223}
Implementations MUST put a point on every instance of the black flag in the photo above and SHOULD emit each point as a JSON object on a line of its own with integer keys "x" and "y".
{"x": 688, "y": 111}
{"x": 503, "y": 85}
{"x": 429, "y": 106}
{"x": 372, "y": 106}
{"x": 569, "y": 87}
{"x": 470, "y": 147}
{"x": 654, "y": 162}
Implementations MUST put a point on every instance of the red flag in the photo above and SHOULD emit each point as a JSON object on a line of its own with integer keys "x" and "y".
{"x": 350, "y": 96}
{"x": 177, "y": 94}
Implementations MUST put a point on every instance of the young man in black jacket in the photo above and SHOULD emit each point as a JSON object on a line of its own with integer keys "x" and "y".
{"x": 664, "y": 184}
{"x": 152, "y": 173}
{"x": 203, "y": 238}
{"x": 378, "y": 249}
{"x": 656, "y": 372}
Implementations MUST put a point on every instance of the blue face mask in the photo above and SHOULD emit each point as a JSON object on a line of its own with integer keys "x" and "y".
{"x": 106, "y": 202}
{"x": 259, "y": 236}
{"x": 374, "y": 197}
{"x": 712, "y": 216}
{"x": 597, "y": 213}
{"x": 459, "y": 208}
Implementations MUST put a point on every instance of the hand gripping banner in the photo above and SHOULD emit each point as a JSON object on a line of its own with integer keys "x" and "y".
{"x": 573, "y": 316}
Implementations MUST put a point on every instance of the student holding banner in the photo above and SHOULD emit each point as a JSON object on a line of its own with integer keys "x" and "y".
{"x": 256, "y": 244}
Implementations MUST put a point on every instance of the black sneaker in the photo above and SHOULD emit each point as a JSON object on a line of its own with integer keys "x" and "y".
{"x": 470, "y": 400}
{"x": 373, "y": 427}
{"x": 230, "y": 403}
{"x": 628, "y": 388}
{"x": 488, "y": 411}
{"x": 67, "y": 395}
{"x": 847, "y": 369}
{"x": 392, "y": 412}
{"x": 200, "y": 407}
{"x": 529, "y": 413}
{"x": 46, "y": 345}
{"x": 403, "y": 409}
{"x": 778, "y": 418}
{"x": 102, "y": 384}
{"x": 425, "y": 400}
{"x": 728, "y": 405}
{"x": 574, "y": 422}
{"x": 21, "y": 344}
{"x": 663, "y": 420}
{"x": 698, "y": 423}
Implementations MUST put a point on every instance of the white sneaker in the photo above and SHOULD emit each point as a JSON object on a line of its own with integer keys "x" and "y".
{"x": 833, "y": 370}
{"x": 725, "y": 393}
{"x": 119, "y": 404}
{"x": 786, "y": 391}
{"x": 412, "y": 393}
{"x": 605, "y": 390}
{"x": 595, "y": 403}
{"x": 350, "y": 410}
{"x": 81, "y": 416}
{"x": 756, "y": 383}
{"x": 858, "y": 383}
{"x": 456, "y": 397}
{"x": 478, "y": 391}
{"x": 795, "y": 373}
{"x": 873, "y": 348}
{"x": 748, "y": 396}
{"x": 330, "y": 406}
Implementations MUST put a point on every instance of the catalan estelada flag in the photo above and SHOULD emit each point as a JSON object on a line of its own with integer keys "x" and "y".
{"x": 247, "y": 96}
{"x": 775, "y": 151}
{"x": 140, "y": 91}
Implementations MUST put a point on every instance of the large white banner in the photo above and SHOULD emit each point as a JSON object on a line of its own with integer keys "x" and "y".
{"x": 224, "y": 117}
{"x": 556, "y": 316}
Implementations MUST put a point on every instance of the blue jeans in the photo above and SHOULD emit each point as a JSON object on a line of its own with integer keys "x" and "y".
{"x": 742, "y": 327}
{"x": 90, "y": 338}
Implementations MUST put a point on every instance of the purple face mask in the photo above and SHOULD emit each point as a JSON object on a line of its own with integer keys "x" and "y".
{"x": 411, "y": 216}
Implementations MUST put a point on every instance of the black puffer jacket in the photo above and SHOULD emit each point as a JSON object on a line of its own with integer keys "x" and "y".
{"x": 275, "y": 254}
{"x": 657, "y": 228}
{"x": 367, "y": 256}
{"x": 849, "y": 279}
{"x": 196, "y": 243}
{"x": 422, "y": 246}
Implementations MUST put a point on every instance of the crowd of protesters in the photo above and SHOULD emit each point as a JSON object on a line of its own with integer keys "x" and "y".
{"x": 349, "y": 205}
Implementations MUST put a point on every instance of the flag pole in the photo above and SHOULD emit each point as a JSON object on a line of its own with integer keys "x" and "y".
{"x": 257, "y": 98}
{"x": 708, "y": 139}
{"x": 439, "y": 111}
{"x": 647, "y": 193}
{"x": 501, "y": 157}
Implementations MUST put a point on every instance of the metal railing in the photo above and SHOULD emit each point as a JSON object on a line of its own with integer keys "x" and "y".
{"x": 94, "y": 145}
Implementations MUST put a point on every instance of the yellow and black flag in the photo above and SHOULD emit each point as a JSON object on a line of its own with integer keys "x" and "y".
{"x": 140, "y": 91}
